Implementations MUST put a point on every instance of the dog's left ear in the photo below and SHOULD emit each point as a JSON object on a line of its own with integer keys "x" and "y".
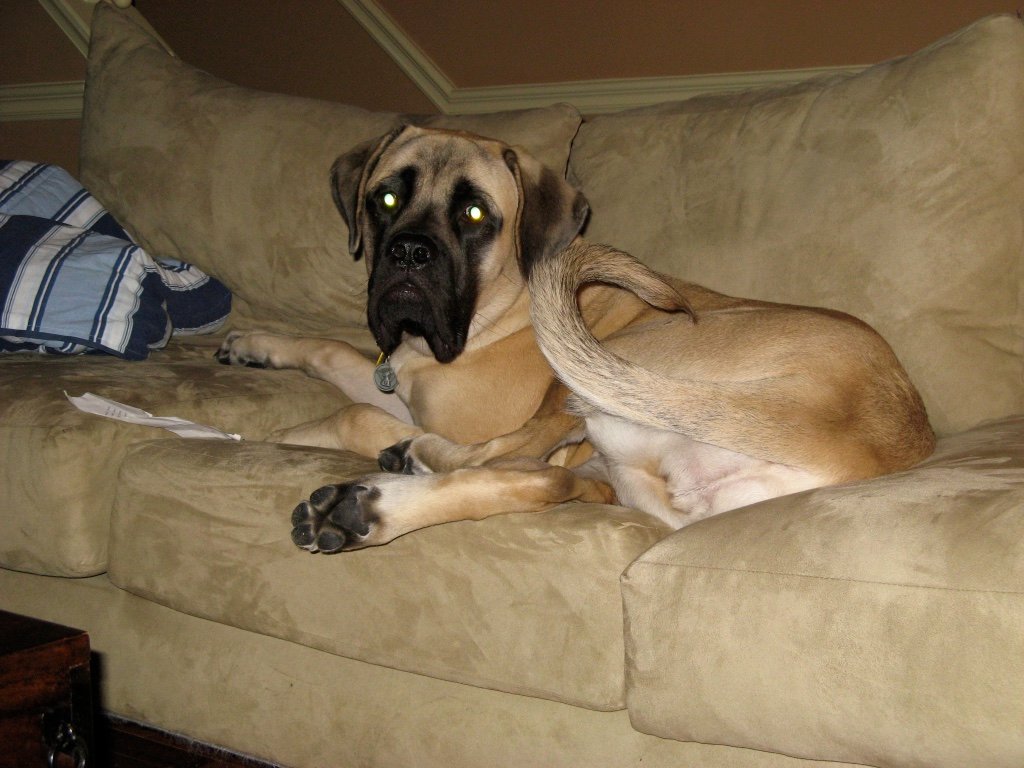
{"x": 349, "y": 175}
{"x": 551, "y": 211}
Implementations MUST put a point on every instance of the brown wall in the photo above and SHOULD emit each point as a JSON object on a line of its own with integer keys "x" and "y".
{"x": 539, "y": 41}
{"x": 34, "y": 50}
{"x": 43, "y": 141}
{"x": 313, "y": 48}
{"x": 316, "y": 49}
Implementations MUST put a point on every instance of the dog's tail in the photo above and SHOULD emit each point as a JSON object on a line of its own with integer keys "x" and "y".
{"x": 770, "y": 416}
{"x": 598, "y": 376}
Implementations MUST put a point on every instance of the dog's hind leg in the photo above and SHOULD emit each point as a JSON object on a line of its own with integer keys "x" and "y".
{"x": 379, "y": 508}
{"x": 360, "y": 427}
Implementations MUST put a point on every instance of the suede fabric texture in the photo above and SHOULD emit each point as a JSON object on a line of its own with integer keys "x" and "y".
{"x": 896, "y": 194}
{"x": 305, "y": 708}
{"x": 879, "y": 622}
{"x": 58, "y": 466}
{"x": 220, "y": 176}
{"x": 526, "y": 604}
{"x": 236, "y": 181}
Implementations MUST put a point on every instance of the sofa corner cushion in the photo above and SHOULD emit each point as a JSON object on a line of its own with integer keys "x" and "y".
{"x": 895, "y": 194}
{"x": 236, "y": 181}
{"x": 58, "y": 466}
{"x": 880, "y": 622}
{"x": 521, "y": 603}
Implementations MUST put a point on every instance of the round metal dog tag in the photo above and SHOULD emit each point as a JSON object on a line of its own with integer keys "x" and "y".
{"x": 384, "y": 376}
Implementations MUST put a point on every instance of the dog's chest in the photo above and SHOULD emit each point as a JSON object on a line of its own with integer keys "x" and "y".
{"x": 680, "y": 480}
{"x": 479, "y": 396}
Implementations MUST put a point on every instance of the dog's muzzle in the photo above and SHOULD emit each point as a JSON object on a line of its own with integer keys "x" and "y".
{"x": 412, "y": 290}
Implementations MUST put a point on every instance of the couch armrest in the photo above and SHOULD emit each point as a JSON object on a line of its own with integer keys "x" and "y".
{"x": 879, "y": 622}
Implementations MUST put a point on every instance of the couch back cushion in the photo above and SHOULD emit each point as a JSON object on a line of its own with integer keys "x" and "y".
{"x": 235, "y": 181}
{"x": 895, "y": 194}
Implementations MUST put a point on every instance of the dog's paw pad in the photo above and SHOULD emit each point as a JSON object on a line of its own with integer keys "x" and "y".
{"x": 322, "y": 498}
{"x": 335, "y": 518}
{"x": 303, "y": 514}
{"x": 352, "y": 511}
{"x": 304, "y": 536}
{"x": 305, "y": 526}
{"x": 329, "y": 542}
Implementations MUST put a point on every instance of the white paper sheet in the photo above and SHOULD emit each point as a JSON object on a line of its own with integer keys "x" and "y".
{"x": 101, "y": 406}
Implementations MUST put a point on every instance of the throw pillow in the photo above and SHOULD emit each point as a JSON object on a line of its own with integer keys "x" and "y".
{"x": 72, "y": 281}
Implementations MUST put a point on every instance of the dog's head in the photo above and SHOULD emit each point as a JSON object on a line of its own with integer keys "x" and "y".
{"x": 441, "y": 218}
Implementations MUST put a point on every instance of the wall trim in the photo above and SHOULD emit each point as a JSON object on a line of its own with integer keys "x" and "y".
{"x": 599, "y": 96}
{"x": 42, "y": 101}
{"x": 62, "y": 101}
{"x": 589, "y": 96}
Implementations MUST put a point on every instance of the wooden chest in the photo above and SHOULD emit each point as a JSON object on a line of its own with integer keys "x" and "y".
{"x": 45, "y": 694}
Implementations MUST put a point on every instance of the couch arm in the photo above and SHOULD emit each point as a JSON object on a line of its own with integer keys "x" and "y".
{"x": 879, "y": 622}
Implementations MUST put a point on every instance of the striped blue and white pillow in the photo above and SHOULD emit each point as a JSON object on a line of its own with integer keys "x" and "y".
{"x": 72, "y": 280}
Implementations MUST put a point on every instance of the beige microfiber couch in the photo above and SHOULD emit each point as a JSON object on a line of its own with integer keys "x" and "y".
{"x": 878, "y": 623}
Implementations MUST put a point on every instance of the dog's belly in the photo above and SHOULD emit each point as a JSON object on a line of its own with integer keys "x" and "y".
{"x": 679, "y": 480}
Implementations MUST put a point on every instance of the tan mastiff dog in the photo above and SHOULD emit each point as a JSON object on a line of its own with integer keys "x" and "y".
{"x": 483, "y": 301}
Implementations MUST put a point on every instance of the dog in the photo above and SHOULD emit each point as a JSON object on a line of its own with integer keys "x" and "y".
{"x": 530, "y": 367}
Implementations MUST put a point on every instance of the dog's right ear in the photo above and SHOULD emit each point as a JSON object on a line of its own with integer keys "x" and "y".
{"x": 349, "y": 175}
{"x": 551, "y": 211}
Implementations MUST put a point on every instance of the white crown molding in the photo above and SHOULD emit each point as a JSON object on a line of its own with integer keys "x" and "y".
{"x": 589, "y": 96}
{"x": 61, "y": 101}
{"x": 42, "y": 101}
{"x": 593, "y": 97}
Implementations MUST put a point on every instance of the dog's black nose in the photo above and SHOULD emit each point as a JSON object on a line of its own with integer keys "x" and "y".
{"x": 410, "y": 251}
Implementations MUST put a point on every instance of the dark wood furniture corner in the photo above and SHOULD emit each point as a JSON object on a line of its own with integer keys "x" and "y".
{"x": 45, "y": 694}
{"x": 132, "y": 745}
{"x": 46, "y": 704}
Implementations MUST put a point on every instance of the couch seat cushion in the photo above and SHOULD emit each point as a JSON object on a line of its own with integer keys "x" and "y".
{"x": 896, "y": 194}
{"x": 879, "y": 622}
{"x": 58, "y": 465}
{"x": 521, "y": 603}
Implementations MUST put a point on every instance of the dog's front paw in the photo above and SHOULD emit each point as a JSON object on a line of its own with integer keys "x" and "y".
{"x": 401, "y": 459}
{"x": 243, "y": 348}
{"x": 422, "y": 455}
{"x": 337, "y": 518}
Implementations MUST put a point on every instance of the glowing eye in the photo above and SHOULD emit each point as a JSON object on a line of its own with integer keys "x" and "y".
{"x": 390, "y": 200}
{"x": 475, "y": 214}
